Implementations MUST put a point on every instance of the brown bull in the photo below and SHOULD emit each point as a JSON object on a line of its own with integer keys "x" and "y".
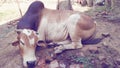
{"x": 60, "y": 26}
{"x": 64, "y": 27}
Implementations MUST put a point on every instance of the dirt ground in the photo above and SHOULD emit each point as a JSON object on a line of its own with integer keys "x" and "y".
{"x": 105, "y": 54}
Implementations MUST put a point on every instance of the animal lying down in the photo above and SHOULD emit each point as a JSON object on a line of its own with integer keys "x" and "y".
{"x": 66, "y": 27}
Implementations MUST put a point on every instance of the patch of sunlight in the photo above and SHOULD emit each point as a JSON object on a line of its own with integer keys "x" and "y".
{"x": 10, "y": 11}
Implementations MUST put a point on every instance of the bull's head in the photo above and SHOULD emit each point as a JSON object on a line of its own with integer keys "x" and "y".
{"x": 27, "y": 40}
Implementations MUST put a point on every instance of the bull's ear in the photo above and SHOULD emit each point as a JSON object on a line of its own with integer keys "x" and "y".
{"x": 41, "y": 43}
{"x": 15, "y": 43}
{"x": 37, "y": 33}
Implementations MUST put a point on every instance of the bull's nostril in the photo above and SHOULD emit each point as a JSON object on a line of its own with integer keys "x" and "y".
{"x": 31, "y": 64}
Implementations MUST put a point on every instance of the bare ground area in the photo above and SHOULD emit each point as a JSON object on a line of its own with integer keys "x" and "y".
{"x": 105, "y": 54}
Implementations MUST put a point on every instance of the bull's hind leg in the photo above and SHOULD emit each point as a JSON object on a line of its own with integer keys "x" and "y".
{"x": 72, "y": 45}
{"x": 74, "y": 33}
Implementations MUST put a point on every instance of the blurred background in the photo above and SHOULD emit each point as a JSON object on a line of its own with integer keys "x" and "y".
{"x": 105, "y": 54}
{"x": 12, "y": 9}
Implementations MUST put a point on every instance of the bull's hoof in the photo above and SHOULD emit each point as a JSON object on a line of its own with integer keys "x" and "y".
{"x": 58, "y": 49}
{"x": 79, "y": 46}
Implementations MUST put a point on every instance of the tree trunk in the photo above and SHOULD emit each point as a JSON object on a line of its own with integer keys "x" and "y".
{"x": 113, "y": 4}
{"x": 108, "y": 3}
{"x": 83, "y": 2}
{"x": 64, "y": 5}
{"x": 90, "y": 3}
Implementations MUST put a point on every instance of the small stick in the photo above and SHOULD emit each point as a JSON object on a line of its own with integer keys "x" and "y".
{"x": 19, "y": 7}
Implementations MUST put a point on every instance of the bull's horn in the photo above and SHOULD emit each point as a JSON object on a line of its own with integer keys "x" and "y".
{"x": 18, "y": 31}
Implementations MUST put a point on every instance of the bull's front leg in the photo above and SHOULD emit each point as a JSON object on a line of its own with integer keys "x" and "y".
{"x": 72, "y": 45}
{"x": 42, "y": 33}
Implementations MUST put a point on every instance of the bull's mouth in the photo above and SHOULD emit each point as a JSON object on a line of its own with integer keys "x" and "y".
{"x": 31, "y": 64}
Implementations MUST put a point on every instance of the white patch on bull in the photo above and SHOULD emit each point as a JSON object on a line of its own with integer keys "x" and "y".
{"x": 32, "y": 41}
{"x": 42, "y": 28}
{"x": 74, "y": 18}
{"x": 71, "y": 23}
{"x": 27, "y": 32}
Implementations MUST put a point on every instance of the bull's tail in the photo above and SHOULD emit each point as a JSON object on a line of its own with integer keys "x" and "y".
{"x": 93, "y": 39}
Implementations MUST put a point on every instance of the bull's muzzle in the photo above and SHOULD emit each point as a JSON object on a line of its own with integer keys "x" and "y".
{"x": 31, "y": 64}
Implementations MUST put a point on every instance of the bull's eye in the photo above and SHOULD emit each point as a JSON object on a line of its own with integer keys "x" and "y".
{"x": 22, "y": 43}
{"x": 37, "y": 33}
